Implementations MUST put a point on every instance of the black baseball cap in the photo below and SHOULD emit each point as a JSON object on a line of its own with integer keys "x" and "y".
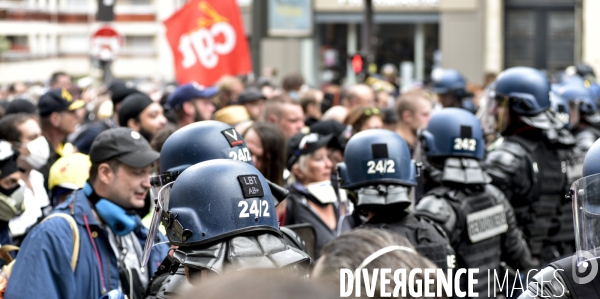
{"x": 250, "y": 94}
{"x": 132, "y": 106}
{"x": 20, "y": 106}
{"x": 340, "y": 132}
{"x": 125, "y": 145}
{"x": 302, "y": 144}
{"x": 58, "y": 100}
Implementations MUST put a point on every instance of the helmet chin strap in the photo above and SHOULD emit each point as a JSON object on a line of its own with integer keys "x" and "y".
{"x": 120, "y": 221}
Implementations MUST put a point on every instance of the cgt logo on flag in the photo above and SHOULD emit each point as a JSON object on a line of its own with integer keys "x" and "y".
{"x": 208, "y": 41}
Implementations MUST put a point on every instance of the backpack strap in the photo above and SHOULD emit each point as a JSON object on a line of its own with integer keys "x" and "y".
{"x": 75, "y": 230}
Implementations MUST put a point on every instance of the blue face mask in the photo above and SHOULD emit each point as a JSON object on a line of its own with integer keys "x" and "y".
{"x": 121, "y": 222}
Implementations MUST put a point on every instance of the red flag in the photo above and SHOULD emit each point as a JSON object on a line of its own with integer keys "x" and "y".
{"x": 208, "y": 41}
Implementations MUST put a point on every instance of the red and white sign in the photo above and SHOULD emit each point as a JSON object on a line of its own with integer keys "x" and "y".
{"x": 208, "y": 41}
{"x": 105, "y": 43}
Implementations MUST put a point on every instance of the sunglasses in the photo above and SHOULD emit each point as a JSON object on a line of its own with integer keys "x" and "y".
{"x": 372, "y": 111}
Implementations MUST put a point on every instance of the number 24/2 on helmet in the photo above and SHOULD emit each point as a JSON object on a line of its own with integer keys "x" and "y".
{"x": 216, "y": 199}
{"x": 375, "y": 157}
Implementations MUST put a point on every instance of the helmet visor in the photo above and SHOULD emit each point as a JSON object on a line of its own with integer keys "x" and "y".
{"x": 158, "y": 181}
{"x": 574, "y": 114}
{"x": 484, "y": 114}
{"x": 586, "y": 212}
{"x": 162, "y": 204}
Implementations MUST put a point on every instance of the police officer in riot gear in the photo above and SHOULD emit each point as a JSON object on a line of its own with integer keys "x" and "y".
{"x": 195, "y": 143}
{"x": 450, "y": 87}
{"x": 577, "y": 276}
{"x": 378, "y": 174}
{"x": 476, "y": 216}
{"x": 583, "y": 102}
{"x": 562, "y": 110}
{"x": 221, "y": 215}
{"x": 534, "y": 161}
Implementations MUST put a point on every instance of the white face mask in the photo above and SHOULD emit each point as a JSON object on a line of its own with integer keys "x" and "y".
{"x": 322, "y": 191}
{"x": 39, "y": 152}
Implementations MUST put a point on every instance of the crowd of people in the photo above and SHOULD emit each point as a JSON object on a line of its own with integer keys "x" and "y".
{"x": 250, "y": 189}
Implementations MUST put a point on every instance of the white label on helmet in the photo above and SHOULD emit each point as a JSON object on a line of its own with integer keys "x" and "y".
{"x": 465, "y": 144}
{"x": 258, "y": 208}
{"x": 242, "y": 154}
{"x": 381, "y": 166}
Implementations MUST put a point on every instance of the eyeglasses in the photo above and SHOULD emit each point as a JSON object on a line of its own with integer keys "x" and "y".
{"x": 372, "y": 111}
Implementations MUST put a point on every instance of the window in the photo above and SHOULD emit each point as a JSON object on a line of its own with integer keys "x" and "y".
{"x": 520, "y": 38}
{"x": 74, "y": 44}
{"x": 18, "y": 43}
{"x": 561, "y": 38}
{"x": 139, "y": 45}
{"x": 540, "y": 34}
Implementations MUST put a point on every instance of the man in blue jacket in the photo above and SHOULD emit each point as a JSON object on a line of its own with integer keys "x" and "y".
{"x": 111, "y": 235}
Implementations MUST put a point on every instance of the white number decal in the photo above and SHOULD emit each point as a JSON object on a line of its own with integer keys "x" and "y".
{"x": 243, "y": 154}
{"x": 266, "y": 210}
{"x": 465, "y": 144}
{"x": 381, "y": 166}
{"x": 256, "y": 209}
{"x": 244, "y": 206}
{"x": 371, "y": 165}
{"x": 390, "y": 166}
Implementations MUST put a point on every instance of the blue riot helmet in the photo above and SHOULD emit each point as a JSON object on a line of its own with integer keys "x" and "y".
{"x": 202, "y": 141}
{"x": 526, "y": 89}
{"x": 217, "y": 199}
{"x": 378, "y": 168}
{"x": 195, "y": 143}
{"x": 450, "y": 87}
{"x": 583, "y": 99}
{"x": 585, "y": 71}
{"x": 585, "y": 194}
{"x": 448, "y": 81}
{"x": 453, "y": 145}
{"x": 453, "y": 132}
{"x": 523, "y": 93}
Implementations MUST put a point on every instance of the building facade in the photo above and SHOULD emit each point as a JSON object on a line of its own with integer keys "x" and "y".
{"x": 476, "y": 37}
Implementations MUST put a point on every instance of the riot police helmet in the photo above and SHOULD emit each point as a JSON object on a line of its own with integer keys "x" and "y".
{"x": 216, "y": 199}
{"x": 378, "y": 168}
{"x": 581, "y": 98}
{"x": 453, "y": 132}
{"x": 526, "y": 89}
{"x": 448, "y": 81}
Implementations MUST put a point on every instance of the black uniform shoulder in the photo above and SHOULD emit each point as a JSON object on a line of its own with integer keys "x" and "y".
{"x": 586, "y": 137}
{"x": 435, "y": 207}
{"x": 507, "y": 155}
{"x": 510, "y": 167}
{"x": 292, "y": 239}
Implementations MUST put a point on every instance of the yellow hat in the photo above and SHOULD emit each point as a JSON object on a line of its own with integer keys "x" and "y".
{"x": 232, "y": 115}
{"x": 70, "y": 172}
